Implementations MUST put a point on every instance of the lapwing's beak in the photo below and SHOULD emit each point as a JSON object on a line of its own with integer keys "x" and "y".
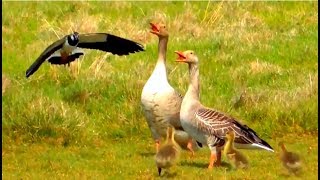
{"x": 76, "y": 34}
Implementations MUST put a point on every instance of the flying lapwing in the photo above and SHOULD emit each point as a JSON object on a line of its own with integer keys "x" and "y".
{"x": 68, "y": 48}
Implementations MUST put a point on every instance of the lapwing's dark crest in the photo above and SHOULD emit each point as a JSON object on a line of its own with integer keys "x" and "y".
{"x": 68, "y": 48}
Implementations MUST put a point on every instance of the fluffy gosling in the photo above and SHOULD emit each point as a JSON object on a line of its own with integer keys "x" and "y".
{"x": 168, "y": 153}
{"x": 290, "y": 160}
{"x": 235, "y": 157}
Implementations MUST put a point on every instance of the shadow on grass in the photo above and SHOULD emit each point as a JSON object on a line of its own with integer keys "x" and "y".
{"x": 202, "y": 165}
{"x": 284, "y": 175}
{"x": 146, "y": 154}
{"x": 167, "y": 174}
{"x": 288, "y": 175}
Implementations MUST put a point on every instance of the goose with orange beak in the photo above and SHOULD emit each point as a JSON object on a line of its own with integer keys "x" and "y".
{"x": 181, "y": 57}
{"x": 155, "y": 28}
{"x": 209, "y": 126}
{"x": 160, "y": 101}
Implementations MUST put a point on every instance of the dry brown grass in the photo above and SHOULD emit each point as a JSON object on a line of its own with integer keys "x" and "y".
{"x": 5, "y": 83}
{"x": 210, "y": 18}
{"x": 254, "y": 68}
{"x": 190, "y": 26}
{"x": 257, "y": 67}
{"x": 49, "y": 107}
{"x": 285, "y": 98}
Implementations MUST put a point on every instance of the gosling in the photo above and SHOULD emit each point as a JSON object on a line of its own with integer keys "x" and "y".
{"x": 290, "y": 160}
{"x": 235, "y": 157}
{"x": 168, "y": 153}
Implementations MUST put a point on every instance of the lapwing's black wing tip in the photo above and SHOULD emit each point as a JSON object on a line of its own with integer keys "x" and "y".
{"x": 121, "y": 46}
{"x": 109, "y": 43}
{"x": 33, "y": 68}
{"x": 141, "y": 47}
{"x": 44, "y": 55}
{"x": 28, "y": 73}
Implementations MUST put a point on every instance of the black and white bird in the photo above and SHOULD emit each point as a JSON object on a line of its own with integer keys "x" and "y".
{"x": 68, "y": 48}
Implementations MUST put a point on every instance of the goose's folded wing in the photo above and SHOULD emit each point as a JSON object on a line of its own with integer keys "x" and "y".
{"x": 219, "y": 124}
{"x": 44, "y": 55}
{"x": 109, "y": 43}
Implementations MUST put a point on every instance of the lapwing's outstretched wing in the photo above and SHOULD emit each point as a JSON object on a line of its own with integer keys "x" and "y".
{"x": 44, "y": 55}
{"x": 109, "y": 43}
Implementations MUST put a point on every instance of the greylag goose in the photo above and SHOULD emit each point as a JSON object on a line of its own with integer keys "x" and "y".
{"x": 236, "y": 158}
{"x": 209, "y": 126}
{"x": 290, "y": 160}
{"x": 160, "y": 102}
{"x": 67, "y": 49}
{"x": 169, "y": 152}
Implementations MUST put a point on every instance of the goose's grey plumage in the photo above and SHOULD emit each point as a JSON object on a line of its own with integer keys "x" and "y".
{"x": 67, "y": 49}
{"x": 160, "y": 101}
{"x": 207, "y": 125}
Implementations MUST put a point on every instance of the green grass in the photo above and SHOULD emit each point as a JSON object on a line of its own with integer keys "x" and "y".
{"x": 86, "y": 121}
{"x": 133, "y": 158}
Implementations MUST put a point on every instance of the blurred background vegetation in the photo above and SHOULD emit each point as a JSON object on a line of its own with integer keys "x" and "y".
{"x": 258, "y": 64}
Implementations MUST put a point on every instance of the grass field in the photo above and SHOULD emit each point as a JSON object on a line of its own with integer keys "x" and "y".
{"x": 85, "y": 122}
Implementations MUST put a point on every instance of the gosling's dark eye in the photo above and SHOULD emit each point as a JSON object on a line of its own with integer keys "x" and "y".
{"x": 164, "y": 26}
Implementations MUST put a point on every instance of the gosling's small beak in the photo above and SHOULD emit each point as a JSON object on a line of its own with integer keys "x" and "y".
{"x": 159, "y": 171}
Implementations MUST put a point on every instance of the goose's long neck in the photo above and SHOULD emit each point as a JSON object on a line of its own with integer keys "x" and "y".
{"x": 162, "y": 50}
{"x": 194, "y": 86}
{"x": 160, "y": 72}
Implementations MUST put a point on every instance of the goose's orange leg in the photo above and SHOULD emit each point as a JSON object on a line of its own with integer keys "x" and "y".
{"x": 213, "y": 158}
{"x": 189, "y": 146}
{"x": 218, "y": 162}
{"x": 157, "y": 145}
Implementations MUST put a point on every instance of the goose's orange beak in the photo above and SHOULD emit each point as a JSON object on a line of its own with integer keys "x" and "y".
{"x": 181, "y": 56}
{"x": 155, "y": 29}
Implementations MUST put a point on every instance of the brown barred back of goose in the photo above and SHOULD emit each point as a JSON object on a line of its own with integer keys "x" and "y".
{"x": 207, "y": 125}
